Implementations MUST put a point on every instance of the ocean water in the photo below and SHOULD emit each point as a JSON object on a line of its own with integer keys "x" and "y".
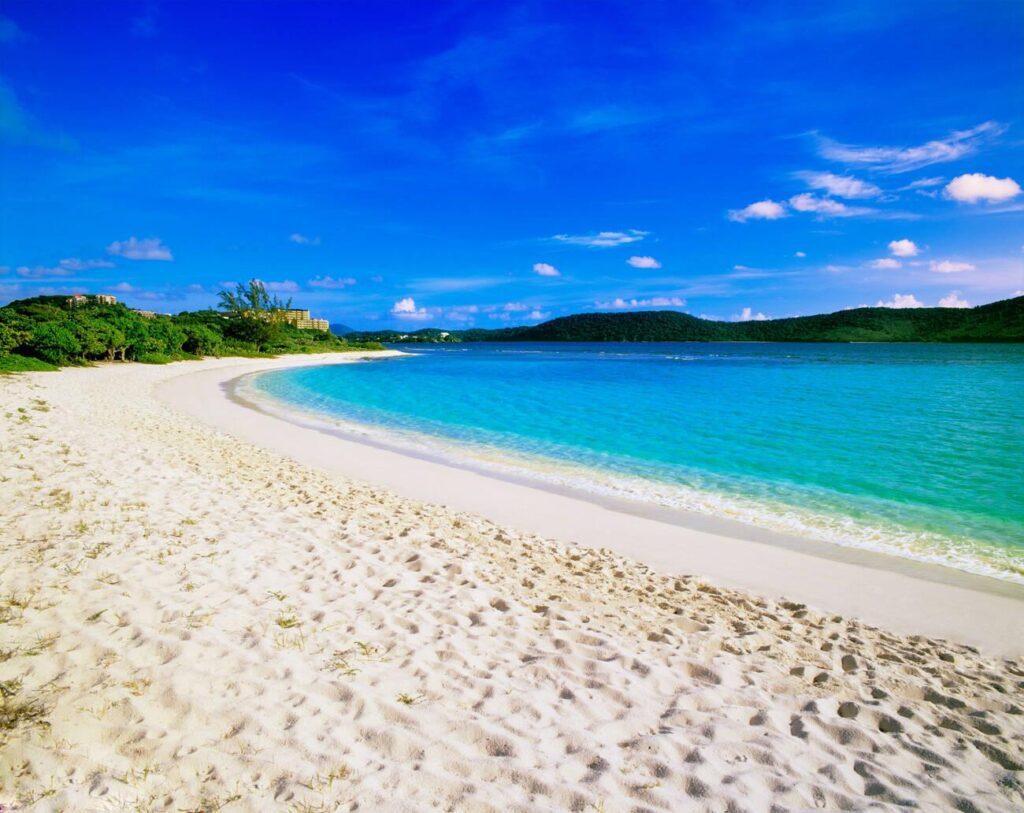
{"x": 911, "y": 450}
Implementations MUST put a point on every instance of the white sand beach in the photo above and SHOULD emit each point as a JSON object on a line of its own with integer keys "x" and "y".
{"x": 205, "y": 607}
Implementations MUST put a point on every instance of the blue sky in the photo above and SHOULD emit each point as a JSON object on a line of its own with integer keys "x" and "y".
{"x": 394, "y": 164}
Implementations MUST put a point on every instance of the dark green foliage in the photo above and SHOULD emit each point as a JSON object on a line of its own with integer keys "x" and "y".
{"x": 46, "y": 331}
{"x": 11, "y": 363}
{"x": 428, "y": 335}
{"x": 156, "y": 358}
{"x": 999, "y": 322}
{"x": 201, "y": 340}
{"x": 55, "y": 343}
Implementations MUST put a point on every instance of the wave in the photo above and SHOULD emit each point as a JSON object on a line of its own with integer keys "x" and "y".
{"x": 757, "y": 510}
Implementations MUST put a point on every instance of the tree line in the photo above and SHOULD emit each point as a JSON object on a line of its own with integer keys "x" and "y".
{"x": 60, "y": 331}
{"x": 998, "y": 322}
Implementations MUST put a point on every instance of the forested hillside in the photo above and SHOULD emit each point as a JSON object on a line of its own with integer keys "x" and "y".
{"x": 55, "y": 331}
{"x": 999, "y": 322}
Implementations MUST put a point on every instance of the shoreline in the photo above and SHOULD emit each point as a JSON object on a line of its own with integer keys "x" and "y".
{"x": 903, "y": 595}
{"x": 190, "y": 620}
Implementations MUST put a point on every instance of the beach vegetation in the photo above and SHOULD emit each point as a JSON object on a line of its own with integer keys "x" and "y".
{"x": 286, "y": 622}
{"x": 339, "y": 662}
{"x": 211, "y": 804}
{"x": 17, "y": 713}
{"x": 46, "y": 332}
{"x": 13, "y": 363}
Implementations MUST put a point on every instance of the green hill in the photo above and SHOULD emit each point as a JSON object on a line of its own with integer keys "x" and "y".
{"x": 998, "y": 322}
{"x": 55, "y": 331}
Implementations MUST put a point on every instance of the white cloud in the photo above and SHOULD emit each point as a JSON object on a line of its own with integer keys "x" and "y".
{"x": 950, "y": 266}
{"x": 454, "y": 284}
{"x": 886, "y": 262}
{"x": 842, "y": 186}
{"x": 537, "y": 315}
{"x": 331, "y": 282}
{"x": 922, "y": 183}
{"x": 303, "y": 240}
{"x": 285, "y": 286}
{"x": 124, "y": 288}
{"x": 904, "y": 159}
{"x": 545, "y": 270}
{"x": 603, "y": 239}
{"x": 975, "y": 187}
{"x": 748, "y": 315}
{"x": 900, "y": 301}
{"x": 643, "y": 262}
{"x": 40, "y": 271}
{"x": 953, "y": 300}
{"x": 800, "y": 254}
{"x": 148, "y": 248}
{"x": 514, "y": 307}
{"x": 406, "y": 309}
{"x": 462, "y": 313}
{"x": 904, "y": 248}
{"x": 654, "y": 302}
{"x": 825, "y": 207}
{"x": 760, "y": 210}
{"x": 76, "y": 264}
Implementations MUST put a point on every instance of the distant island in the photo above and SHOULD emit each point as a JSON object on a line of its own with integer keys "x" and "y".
{"x": 998, "y": 322}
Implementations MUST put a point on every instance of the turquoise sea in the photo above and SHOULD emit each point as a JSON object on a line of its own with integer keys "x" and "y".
{"x": 912, "y": 450}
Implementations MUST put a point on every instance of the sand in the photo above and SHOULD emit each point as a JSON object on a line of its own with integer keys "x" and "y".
{"x": 191, "y": 621}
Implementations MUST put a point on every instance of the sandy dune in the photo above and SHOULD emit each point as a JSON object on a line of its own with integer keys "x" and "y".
{"x": 188, "y": 622}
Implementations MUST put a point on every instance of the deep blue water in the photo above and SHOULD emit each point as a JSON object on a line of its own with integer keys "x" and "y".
{"x": 916, "y": 450}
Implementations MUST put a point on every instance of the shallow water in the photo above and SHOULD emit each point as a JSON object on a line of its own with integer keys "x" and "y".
{"x": 913, "y": 450}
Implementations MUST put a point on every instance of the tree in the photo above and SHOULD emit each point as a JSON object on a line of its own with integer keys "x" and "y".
{"x": 54, "y": 343}
{"x": 12, "y": 334}
{"x": 251, "y": 301}
{"x": 256, "y": 315}
{"x": 201, "y": 340}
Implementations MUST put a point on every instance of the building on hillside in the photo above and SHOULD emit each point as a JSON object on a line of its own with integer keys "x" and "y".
{"x": 145, "y": 314}
{"x": 75, "y": 300}
{"x": 301, "y": 319}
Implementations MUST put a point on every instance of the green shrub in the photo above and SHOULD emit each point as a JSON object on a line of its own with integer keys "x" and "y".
{"x": 54, "y": 343}
{"x": 13, "y": 363}
{"x": 155, "y": 358}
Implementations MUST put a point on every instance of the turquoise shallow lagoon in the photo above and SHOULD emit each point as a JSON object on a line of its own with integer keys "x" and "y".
{"x": 912, "y": 450}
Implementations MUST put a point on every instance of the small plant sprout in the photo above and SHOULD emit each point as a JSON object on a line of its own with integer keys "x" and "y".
{"x": 339, "y": 662}
{"x": 407, "y": 699}
{"x": 137, "y": 685}
{"x": 286, "y": 622}
{"x": 96, "y": 550}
